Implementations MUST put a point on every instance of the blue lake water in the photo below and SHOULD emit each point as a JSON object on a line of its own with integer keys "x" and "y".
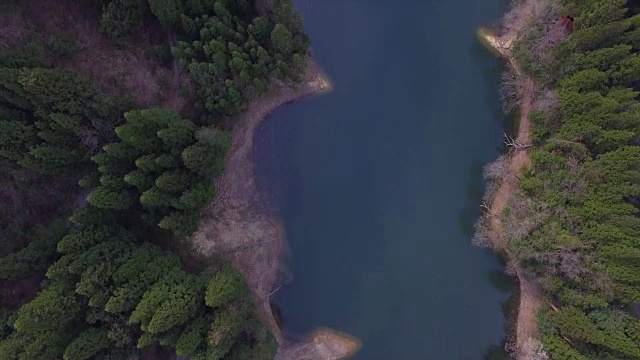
{"x": 378, "y": 183}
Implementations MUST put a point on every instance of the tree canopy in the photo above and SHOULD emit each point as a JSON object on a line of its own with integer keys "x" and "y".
{"x": 583, "y": 247}
{"x": 114, "y": 283}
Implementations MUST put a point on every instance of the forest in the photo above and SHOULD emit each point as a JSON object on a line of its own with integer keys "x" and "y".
{"x": 115, "y": 118}
{"x": 574, "y": 225}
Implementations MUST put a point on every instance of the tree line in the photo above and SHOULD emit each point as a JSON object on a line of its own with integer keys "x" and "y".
{"x": 105, "y": 283}
{"x": 581, "y": 196}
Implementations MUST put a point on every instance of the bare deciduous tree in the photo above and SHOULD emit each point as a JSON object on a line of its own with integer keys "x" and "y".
{"x": 511, "y": 348}
{"x": 91, "y": 140}
{"x": 513, "y": 87}
{"x": 523, "y": 216}
{"x": 493, "y": 173}
{"x": 570, "y": 263}
{"x": 535, "y": 349}
{"x": 512, "y": 268}
{"x": 553, "y": 34}
{"x": 496, "y": 169}
{"x": 525, "y": 17}
{"x": 489, "y": 193}
{"x": 483, "y": 234}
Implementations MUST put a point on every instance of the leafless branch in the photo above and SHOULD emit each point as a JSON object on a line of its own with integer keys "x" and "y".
{"x": 483, "y": 235}
{"x": 515, "y": 143}
{"x": 514, "y": 87}
{"x": 274, "y": 291}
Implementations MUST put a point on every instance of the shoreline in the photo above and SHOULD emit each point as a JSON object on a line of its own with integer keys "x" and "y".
{"x": 238, "y": 227}
{"x": 529, "y": 299}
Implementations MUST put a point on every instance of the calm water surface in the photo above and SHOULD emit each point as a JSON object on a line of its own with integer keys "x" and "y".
{"x": 378, "y": 183}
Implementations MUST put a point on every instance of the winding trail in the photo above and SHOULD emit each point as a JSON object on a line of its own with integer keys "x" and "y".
{"x": 530, "y": 298}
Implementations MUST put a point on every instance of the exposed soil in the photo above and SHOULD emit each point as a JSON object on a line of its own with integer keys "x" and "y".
{"x": 237, "y": 226}
{"x": 530, "y": 299}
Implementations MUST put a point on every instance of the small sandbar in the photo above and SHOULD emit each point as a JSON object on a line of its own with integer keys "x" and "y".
{"x": 323, "y": 344}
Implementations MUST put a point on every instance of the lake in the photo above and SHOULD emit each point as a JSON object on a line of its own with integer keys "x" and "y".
{"x": 377, "y": 184}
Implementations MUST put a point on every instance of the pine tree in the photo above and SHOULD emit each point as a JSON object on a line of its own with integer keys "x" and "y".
{"x": 169, "y": 303}
{"x": 224, "y": 287}
{"x": 87, "y": 344}
{"x": 107, "y": 198}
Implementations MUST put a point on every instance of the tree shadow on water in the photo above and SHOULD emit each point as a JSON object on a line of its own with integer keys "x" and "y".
{"x": 500, "y": 280}
{"x": 506, "y": 284}
{"x": 474, "y": 191}
{"x": 495, "y": 352}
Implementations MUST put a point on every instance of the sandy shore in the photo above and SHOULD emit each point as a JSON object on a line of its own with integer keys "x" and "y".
{"x": 530, "y": 299}
{"x": 238, "y": 227}
{"x": 323, "y": 344}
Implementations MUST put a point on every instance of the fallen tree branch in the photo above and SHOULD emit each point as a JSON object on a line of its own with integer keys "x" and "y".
{"x": 512, "y": 143}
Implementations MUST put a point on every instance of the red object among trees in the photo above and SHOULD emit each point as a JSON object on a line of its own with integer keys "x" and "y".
{"x": 567, "y": 23}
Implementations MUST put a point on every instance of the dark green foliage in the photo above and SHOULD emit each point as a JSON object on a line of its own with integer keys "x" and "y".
{"x": 196, "y": 197}
{"x": 108, "y": 290}
{"x": 224, "y": 330}
{"x": 61, "y": 47}
{"x": 45, "y": 115}
{"x": 182, "y": 223}
{"x": 260, "y": 344}
{"x": 147, "y": 164}
{"x": 167, "y": 11}
{"x": 192, "y": 338}
{"x": 231, "y": 58}
{"x": 120, "y": 18}
{"x": 108, "y": 198}
{"x": 54, "y": 308}
{"x": 145, "y": 267}
{"x": 198, "y": 158}
{"x": 169, "y": 303}
{"x": 282, "y": 39}
{"x": 585, "y": 178}
{"x": 225, "y": 286}
{"x": 36, "y": 256}
{"x": 16, "y": 133}
{"x": 141, "y": 180}
{"x": 87, "y": 344}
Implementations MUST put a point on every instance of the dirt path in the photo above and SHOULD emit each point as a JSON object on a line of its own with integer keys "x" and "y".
{"x": 530, "y": 299}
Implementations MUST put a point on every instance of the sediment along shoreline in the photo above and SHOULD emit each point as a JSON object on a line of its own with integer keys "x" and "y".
{"x": 238, "y": 227}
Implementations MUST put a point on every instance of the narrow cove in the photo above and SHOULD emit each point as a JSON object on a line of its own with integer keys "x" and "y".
{"x": 378, "y": 184}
